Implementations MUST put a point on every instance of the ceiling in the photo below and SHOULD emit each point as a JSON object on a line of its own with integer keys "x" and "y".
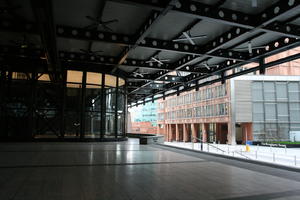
{"x": 140, "y": 43}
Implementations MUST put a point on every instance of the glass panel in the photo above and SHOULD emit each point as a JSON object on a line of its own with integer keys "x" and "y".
{"x": 293, "y": 91}
{"x": 257, "y": 92}
{"x": 121, "y": 121}
{"x": 283, "y": 132}
{"x": 110, "y": 124}
{"x": 270, "y": 110}
{"x": 271, "y": 132}
{"x": 110, "y": 80}
{"x": 43, "y": 77}
{"x": 121, "y": 82}
{"x": 281, "y": 91}
{"x": 295, "y": 112}
{"x": 258, "y": 112}
{"x": 269, "y": 91}
{"x": 282, "y": 112}
{"x": 93, "y": 78}
{"x": 74, "y": 76}
{"x": 110, "y": 99}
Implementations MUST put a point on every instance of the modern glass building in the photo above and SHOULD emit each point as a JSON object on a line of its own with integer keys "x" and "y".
{"x": 87, "y": 105}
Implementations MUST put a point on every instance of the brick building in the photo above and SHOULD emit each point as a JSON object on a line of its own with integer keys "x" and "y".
{"x": 252, "y": 107}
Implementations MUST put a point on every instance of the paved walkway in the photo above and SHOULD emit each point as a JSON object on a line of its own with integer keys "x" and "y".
{"x": 275, "y": 155}
{"x": 126, "y": 170}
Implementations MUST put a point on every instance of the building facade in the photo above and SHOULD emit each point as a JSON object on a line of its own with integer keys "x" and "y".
{"x": 246, "y": 108}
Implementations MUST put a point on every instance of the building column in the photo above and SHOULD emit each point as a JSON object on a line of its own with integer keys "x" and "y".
{"x": 166, "y": 132}
{"x": 177, "y": 132}
{"x": 170, "y": 133}
{"x": 204, "y": 128}
{"x": 194, "y": 133}
{"x": 218, "y": 133}
{"x": 185, "y": 133}
{"x": 231, "y": 133}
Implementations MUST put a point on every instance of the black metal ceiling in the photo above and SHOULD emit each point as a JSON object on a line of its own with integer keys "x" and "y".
{"x": 142, "y": 29}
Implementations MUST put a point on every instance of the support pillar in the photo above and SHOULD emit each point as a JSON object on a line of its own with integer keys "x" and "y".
{"x": 194, "y": 133}
{"x": 185, "y": 133}
{"x": 166, "y": 132}
{"x": 204, "y": 128}
{"x": 169, "y": 133}
{"x": 231, "y": 137}
{"x": 177, "y": 132}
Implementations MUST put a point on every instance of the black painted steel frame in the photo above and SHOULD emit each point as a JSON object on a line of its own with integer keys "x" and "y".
{"x": 265, "y": 22}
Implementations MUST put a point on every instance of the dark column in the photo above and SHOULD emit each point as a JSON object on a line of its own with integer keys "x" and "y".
{"x": 32, "y": 105}
{"x": 262, "y": 69}
{"x": 125, "y": 110}
{"x": 103, "y": 109}
{"x": 82, "y": 109}
{"x": 116, "y": 108}
{"x": 2, "y": 95}
{"x": 63, "y": 104}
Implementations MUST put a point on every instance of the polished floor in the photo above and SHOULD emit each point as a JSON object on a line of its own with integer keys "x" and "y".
{"x": 126, "y": 170}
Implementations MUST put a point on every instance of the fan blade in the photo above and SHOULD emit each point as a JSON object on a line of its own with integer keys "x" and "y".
{"x": 188, "y": 38}
{"x": 91, "y": 18}
{"x": 198, "y": 37}
{"x": 180, "y": 39}
{"x": 150, "y": 61}
{"x": 259, "y": 47}
{"x": 157, "y": 61}
{"x": 110, "y": 21}
{"x": 84, "y": 51}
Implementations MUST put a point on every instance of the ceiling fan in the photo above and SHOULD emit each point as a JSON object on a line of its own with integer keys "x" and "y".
{"x": 91, "y": 53}
{"x": 98, "y": 23}
{"x": 250, "y": 48}
{"x": 206, "y": 65}
{"x": 137, "y": 74}
{"x": 157, "y": 60}
{"x": 24, "y": 43}
{"x": 186, "y": 36}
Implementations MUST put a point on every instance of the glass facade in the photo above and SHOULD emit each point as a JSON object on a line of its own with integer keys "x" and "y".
{"x": 276, "y": 109}
{"x": 85, "y": 105}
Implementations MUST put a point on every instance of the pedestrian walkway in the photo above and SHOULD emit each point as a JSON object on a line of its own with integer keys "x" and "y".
{"x": 276, "y": 155}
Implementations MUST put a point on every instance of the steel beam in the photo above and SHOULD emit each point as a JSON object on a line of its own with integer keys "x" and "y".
{"x": 235, "y": 18}
{"x": 44, "y": 16}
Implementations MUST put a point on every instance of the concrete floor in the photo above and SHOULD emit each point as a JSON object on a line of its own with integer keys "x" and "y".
{"x": 126, "y": 170}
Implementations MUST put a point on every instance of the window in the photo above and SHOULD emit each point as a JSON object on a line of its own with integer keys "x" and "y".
{"x": 282, "y": 112}
{"x": 281, "y": 91}
{"x": 269, "y": 91}
{"x": 257, "y": 92}
{"x": 258, "y": 112}
{"x": 270, "y": 111}
{"x": 295, "y": 112}
{"x": 293, "y": 91}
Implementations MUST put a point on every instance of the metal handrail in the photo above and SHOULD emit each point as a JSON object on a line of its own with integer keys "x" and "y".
{"x": 208, "y": 144}
{"x": 238, "y": 152}
{"x": 219, "y": 148}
